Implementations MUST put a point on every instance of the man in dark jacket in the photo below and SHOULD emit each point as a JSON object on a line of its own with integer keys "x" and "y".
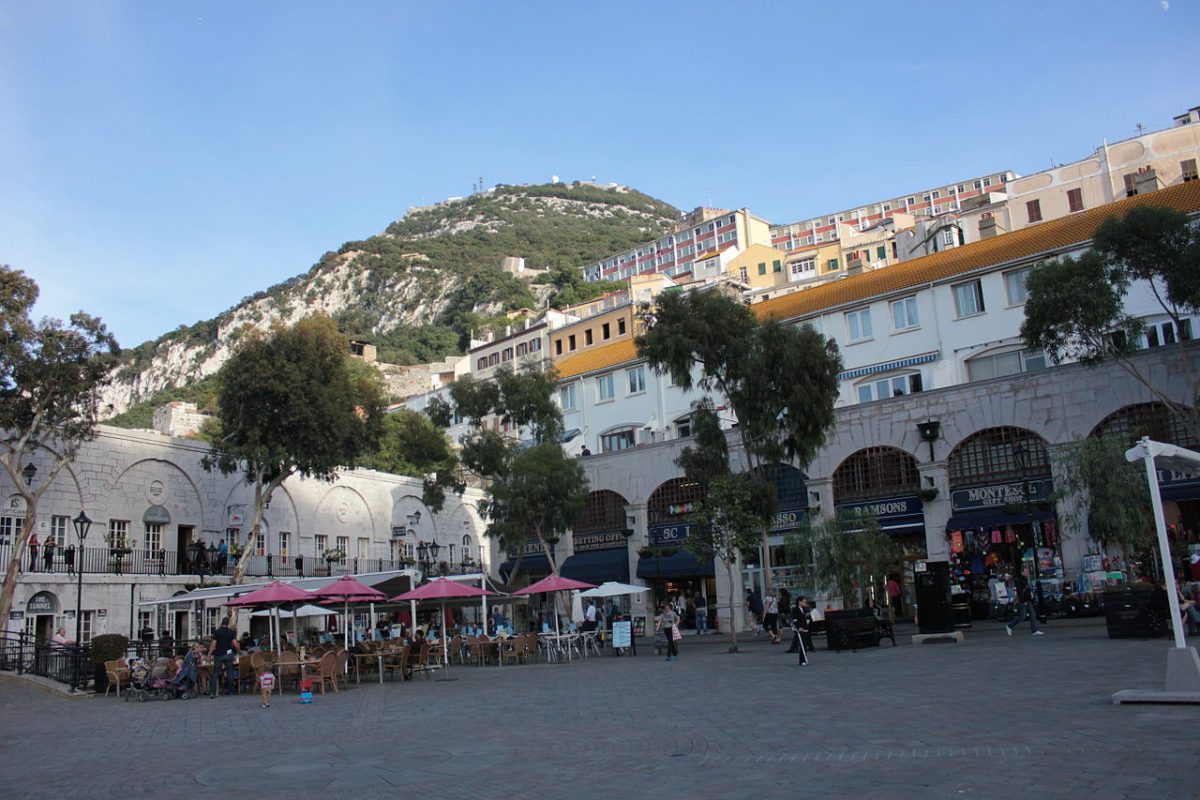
{"x": 1024, "y": 606}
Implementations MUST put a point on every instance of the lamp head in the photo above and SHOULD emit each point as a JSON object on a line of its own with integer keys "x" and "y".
{"x": 30, "y": 472}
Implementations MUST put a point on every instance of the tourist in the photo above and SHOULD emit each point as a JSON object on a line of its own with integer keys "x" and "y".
{"x": 33, "y": 553}
{"x": 589, "y": 617}
{"x": 1024, "y": 606}
{"x": 668, "y": 622}
{"x": 224, "y": 649}
{"x": 60, "y": 640}
{"x": 48, "y": 554}
{"x": 69, "y": 559}
{"x": 771, "y": 616}
{"x": 701, "y": 614}
{"x": 893, "y": 592}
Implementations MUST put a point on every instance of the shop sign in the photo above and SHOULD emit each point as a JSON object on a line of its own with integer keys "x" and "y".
{"x": 16, "y": 616}
{"x": 660, "y": 535}
{"x": 42, "y": 603}
{"x": 602, "y": 540}
{"x": 887, "y": 510}
{"x": 1002, "y": 494}
{"x": 531, "y": 547}
{"x": 788, "y": 520}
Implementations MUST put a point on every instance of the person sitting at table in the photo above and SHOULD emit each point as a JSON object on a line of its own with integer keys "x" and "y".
{"x": 246, "y": 642}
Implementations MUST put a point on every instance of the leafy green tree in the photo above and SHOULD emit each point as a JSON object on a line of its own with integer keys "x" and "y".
{"x": 1076, "y": 308}
{"x": 51, "y": 374}
{"x": 847, "y": 550}
{"x": 735, "y": 508}
{"x": 1111, "y": 493}
{"x": 534, "y": 491}
{"x": 780, "y": 380}
{"x": 291, "y": 403}
{"x": 412, "y": 445}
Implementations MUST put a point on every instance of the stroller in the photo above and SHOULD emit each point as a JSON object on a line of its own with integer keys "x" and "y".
{"x": 150, "y": 680}
{"x": 185, "y": 684}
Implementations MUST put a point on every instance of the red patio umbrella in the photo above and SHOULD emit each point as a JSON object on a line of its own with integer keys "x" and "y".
{"x": 348, "y": 590}
{"x": 554, "y": 583}
{"x": 273, "y": 595}
{"x": 442, "y": 589}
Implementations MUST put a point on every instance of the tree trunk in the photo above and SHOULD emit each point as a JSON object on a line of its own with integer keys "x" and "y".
{"x": 14, "y": 563}
{"x": 239, "y": 572}
{"x": 733, "y": 596}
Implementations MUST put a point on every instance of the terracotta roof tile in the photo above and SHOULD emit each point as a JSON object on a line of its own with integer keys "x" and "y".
{"x": 1045, "y": 236}
{"x": 606, "y": 355}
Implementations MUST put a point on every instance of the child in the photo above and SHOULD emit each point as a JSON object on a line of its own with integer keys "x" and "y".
{"x": 266, "y": 681}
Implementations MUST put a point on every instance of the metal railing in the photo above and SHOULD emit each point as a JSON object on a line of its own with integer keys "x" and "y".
{"x": 70, "y": 665}
{"x": 133, "y": 561}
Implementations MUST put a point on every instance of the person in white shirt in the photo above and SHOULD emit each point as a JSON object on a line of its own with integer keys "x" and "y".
{"x": 589, "y": 616}
{"x": 59, "y": 639}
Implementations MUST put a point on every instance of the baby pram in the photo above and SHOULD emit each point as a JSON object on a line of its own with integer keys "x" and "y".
{"x": 185, "y": 684}
{"x": 150, "y": 680}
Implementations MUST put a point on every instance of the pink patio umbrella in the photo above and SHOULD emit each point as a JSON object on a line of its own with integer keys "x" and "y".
{"x": 274, "y": 595}
{"x": 348, "y": 590}
{"x": 554, "y": 583}
{"x": 442, "y": 589}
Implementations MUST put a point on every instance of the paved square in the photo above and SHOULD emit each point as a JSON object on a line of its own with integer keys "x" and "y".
{"x": 996, "y": 718}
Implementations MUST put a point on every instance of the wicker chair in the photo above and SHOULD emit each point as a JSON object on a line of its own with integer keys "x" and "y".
{"x": 326, "y": 671}
{"x": 118, "y": 675}
{"x": 339, "y": 672}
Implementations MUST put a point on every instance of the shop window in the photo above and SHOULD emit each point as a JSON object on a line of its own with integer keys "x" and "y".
{"x": 673, "y": 500}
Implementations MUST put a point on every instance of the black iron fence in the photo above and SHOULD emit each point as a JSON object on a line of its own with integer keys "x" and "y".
{"x": 134, "y": 561}
{"x": 70, "y": 665}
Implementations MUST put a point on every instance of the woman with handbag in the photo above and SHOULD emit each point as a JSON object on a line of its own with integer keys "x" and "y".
{"x": 668, "y": 622}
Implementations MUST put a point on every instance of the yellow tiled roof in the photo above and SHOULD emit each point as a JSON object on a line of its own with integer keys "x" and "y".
{"x": 1027, "y": 242}
{"x": 1045, "y": 236}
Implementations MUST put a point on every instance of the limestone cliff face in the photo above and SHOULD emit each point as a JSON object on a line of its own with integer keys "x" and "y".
{"x": 437, "y": 268}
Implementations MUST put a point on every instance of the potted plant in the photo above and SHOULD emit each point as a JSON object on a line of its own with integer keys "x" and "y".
{"x": 106, "y": 647}
{"x": 928, "y": 493}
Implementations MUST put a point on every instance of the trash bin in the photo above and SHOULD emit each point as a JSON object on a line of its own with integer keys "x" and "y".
{"x": 932, "y": 580}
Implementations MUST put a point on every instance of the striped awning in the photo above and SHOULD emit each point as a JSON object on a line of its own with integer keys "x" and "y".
{"x": 899, "y": 363}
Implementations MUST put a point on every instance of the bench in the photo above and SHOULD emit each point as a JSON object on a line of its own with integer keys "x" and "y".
{"x": 851, "y": 630}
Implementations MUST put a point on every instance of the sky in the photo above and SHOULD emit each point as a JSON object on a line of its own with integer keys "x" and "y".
{"x": 161, "y": 161}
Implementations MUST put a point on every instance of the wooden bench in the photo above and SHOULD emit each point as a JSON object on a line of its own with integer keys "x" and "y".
{"x": 851, "y": 630}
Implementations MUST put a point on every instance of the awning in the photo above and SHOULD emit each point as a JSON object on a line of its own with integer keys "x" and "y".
{"x": 995, "y": 517}
{"x": 887, "y": 366}
{"x": 680, "y": 565}
{"x": 531, "y": 564}
{"x": 598, "y": 566}
{"x": 1176, "y": 491}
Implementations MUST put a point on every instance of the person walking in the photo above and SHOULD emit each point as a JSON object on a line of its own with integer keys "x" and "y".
{"x": 1024, "y": 606}
{"x": 893, "y": 593}
{"x": 771, "y": 616}
{"x": 801, "y": 638}
{"x": 668, "y": 623}
{"x": 223, "y": 649}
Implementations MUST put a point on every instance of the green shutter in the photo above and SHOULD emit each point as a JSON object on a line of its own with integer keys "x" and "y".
{"x": 832, "y": 264}
{"x": 776, "y": 266}
{"x": 762, "y": 268}
{"x": 880, "y": 252}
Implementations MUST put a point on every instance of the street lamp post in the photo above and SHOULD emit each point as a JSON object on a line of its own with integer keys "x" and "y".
{"x": 82, "y": 525}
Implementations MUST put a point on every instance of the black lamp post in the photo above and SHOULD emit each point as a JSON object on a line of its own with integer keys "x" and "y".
{"x": 30, "y": 472}
{"x": 1021, "y": 458}
{"x": 423, "y": 560}
{"x": 82, "y": 525}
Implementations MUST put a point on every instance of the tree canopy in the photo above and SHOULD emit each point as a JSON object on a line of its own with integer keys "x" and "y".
{"x": 780, "y": 380}
{"x": 1077, "y": 307}
{"x": 848, "y": 551}
{"x": 412, "y": 445}
{"x": 290, "y": 403}
{"x": 51, "y": 374}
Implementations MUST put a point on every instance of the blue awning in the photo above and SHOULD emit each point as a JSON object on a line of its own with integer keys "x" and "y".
{"x": 531, "y": 564}
{"x": 680, "y": 565}
{"x": 995, "y": 517}
{"x": 598, "y": 566}
{"x": 899, "y": 363}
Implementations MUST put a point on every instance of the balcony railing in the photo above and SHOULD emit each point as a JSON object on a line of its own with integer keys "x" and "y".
{"x": 114, "y": 561}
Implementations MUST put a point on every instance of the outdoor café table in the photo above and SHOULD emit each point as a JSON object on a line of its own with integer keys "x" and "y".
{"x": 560, "y": 645}
{"x": 378, "y": 655}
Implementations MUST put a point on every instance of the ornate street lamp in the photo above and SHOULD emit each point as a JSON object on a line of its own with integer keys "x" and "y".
{"x": 30, "y": 472}
{"x": 82, "y": 525}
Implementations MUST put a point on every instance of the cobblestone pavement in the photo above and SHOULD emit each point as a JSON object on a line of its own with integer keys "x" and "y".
{"x": 1026, "y": 717}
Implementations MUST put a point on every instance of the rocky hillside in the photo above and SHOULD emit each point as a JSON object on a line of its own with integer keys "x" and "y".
{"x": 419, "y": 289}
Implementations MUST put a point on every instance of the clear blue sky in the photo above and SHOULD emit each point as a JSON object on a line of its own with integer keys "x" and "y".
{"x": 161, "y": 160}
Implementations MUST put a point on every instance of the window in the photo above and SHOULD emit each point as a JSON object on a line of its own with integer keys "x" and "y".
{"x": 364, "y": 547}
{"x": 605, "y": 331}
{"x": 617, "y": 440}
{"x": 1131, "y": 184}
{"x": 118, "y": 533}
{"x": 1014, "y": 285}
{"x": 880, "y": 253}
{"x": 9, "y": 528}
{"x": 58, "y": 531}
{"x": 320, "y": 545}
{"x": 493, "y": 359}
{"x": 285, "y": 541}
{"x": 978, "y": 184}
{"x": 604, "y": 388}
{"x": 904, "y": 314}
{"x": 968, "y": 299}
{"x": 152, "y": 538}
{"x": 762, "y": 268}
{"x": 1075, "y": 200}
{"x": 683, "y": 427}
{"x": 1033, "y": 208}
{"x": 1012, "y": 362}
{"x": 803, "y": 266}
{"x": 858, "y": 324}
{"x": 897, "y": 386}
{"x": 571, "y": 342}
{"x": 948, "y": 237}
{"x": 637, "y": 379}
{"x": 1188, "y": 170}
{"x": 776, "y": 266}
{"x": 535, "y": 345}
{"x": 86, "y": 626}
{"x": 621, "y": 326}
{"x": 831, "y": 264}
{"x": 558, "y": 347}
{"x": 1164, "y": 333}
{"x": 743, "y": 275}
{"x": 566, "y": 397}
{"x": 343, "y": 544}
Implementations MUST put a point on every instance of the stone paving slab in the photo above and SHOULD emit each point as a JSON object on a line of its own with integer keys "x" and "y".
{"x": 991, "y": 718}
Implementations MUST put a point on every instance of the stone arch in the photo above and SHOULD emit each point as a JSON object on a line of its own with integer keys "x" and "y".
{"x": 603, "y": 510}
{"x": 872, "y": 472}
{"x": 673, "y": 500}
{"x": 1132, "y": 422}
{"x": 282, "y": 514}
{"x": 343, "y": 511}
{"x": 997, "y": 455}
{"x": 154, "y": 482}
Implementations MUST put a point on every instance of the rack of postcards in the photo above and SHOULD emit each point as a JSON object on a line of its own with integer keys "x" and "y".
{"x": 1099, "y": 572}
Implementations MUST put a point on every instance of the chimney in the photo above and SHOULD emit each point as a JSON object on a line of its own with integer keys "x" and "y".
{"x": 987, "y": 225}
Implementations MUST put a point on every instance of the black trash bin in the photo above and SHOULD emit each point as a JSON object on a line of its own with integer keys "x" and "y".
{"x": 1127, "y": 613}
{"x": 933, "y": 596}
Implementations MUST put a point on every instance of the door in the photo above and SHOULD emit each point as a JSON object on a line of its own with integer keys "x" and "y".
{"x": 183, "y": 537}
